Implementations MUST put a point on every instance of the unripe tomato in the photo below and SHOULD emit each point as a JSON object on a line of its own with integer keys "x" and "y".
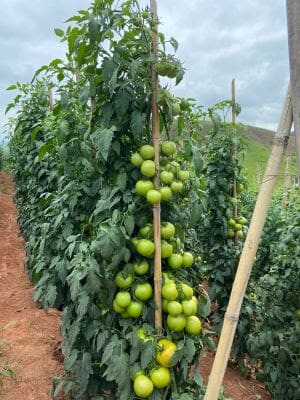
{"x": 134, "y": 241}
{"x": 166, "y": 249}
{"x": 143, "y": 291}
{"x": 175, "y": 261}
{"x": 168, "y": 148}
{"x": 176, "y": 109}
{"x": 174, "y": 308}
{"x": 187, "y": 259}
{"x": 230, "y": 233}
{"x": 169, "y": 291}
{"x": 145, "y": 247}
{"x": 165, "y": 303}
{"x": 160, "y": 377}
{"x": 238, "y": 227}
{"x": 189, "y": 307}
{"x": 122, "y": 282}
{"x": 125, "y": 315}
{"x": 173, "y": 167}
{"x": 166, "y": 193}
{"x": 147, "y": 152}
{"x": 231, "y": 222}
{"x": 148, "y": 168}
{"x": 184, "y": 175}
{"x": 117, "y": 308}
{"x": 240, "y": 234}
{"x": 146, "y": 231}
{"x": 142, "y": 268}
{"x": 193, "y": 325}
{"x": 187, "y": 291}
{"x": 143, "y": 386}
{"x": 136, "y": 160}
{"x": 135, "y": 309}
{"x": 242, "y": 220}
{"x": 176, "y": 324}
{"x": 240, "y": 187}
{"x": 167, "y": 349}
{"x": 143, "y": 186}
{"x": 153, "y": 196}
{"x": 167, "y": 230}
{"x": 176, "y": 186}
{"x": 166, "y": 177}
{"x": 123, "y": 299}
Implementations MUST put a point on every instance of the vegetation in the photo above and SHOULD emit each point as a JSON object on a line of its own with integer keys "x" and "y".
{"x": 86, "y": 182}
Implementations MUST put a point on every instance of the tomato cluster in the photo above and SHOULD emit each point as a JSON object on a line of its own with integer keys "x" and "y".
{"x": 237, "y": 226}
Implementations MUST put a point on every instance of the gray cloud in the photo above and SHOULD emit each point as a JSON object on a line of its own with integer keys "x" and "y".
{"x": 218, "y": 40}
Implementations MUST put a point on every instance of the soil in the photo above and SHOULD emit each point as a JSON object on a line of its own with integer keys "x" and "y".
{"x": 29, "y": 337}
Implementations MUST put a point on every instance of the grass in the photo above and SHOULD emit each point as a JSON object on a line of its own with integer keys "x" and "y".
{"x": 7, "y": 370}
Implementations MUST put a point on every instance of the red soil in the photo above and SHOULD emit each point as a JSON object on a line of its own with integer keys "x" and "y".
{"x": 29, "y": 337}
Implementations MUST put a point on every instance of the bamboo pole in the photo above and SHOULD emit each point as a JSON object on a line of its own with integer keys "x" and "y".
{"x": 286, "y": 183}
{"x": 156, "y": 208}
{"x": 234, "y": 154}
{"x": 293, "y": 22}
{"x": 249, "y": 251}
{"x": 50, "y": 98}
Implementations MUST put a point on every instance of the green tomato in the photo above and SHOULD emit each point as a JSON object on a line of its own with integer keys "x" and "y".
{"x": 187, "y": 291}
{"x": 175, "y": 261}
{"x": 167, "y": 230}
{"x": 240, "y": 234}
{"x": 142, "y": 268}
{"x": 166, "y": 177}
{"x": 145, "y": 247}
{"x": 143, "y": 186}
{"x": 135, "y": 309}
{"x": 193, "y": 325}
{"x": 177, "y": 323}
{"x": 238, "y": 227}
{"x": 147, "y": 152}
{"x": 146, "y": 231}
{"x": 189, "y": 307}
{"x": 166, "y": 249}
{"x": 123, "y": 299}
{"x": 153, "y": 196}
{"x": 176, "y": 186}
{"x": 242, "y": 221}
{"x": 174, "y": 308}
{"x": 230, "y": 233}
{"x": 160, "y": 377}
{"x": 166, "y": 193}
{"x": 136, "y": 160}
{"x": 143, "y": 291}
{"x": 169, "y": 291}
{"x": 117, "y": 308}
{"x": 148, "y": 168}
{"x": 176, "y": 109}
{"x": 122, "y": 282}
{"x": 231, "y": 222}
{"x": 143, "y": 386}
{"x": 184, "y": 175}
{"x": 240, "y": 188}
{"x": 187, "y": 259}
{"x": 165, "y": 303}
{"x": 168, "y": 148}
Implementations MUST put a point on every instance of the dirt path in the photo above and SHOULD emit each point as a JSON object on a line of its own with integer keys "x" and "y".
{"x": 28, "y": 336}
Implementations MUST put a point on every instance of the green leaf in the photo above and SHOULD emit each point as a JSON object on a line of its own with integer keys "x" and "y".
{"x": 137, "y": 123}
{"x": 59, "y": 32}
{"x": 195, "y": 215}
{"x": 122, "y": 103}
{"x": 197, "y": 160}
{"x": 94, "y": 29}
{"x": 102, "y": 138}
{"x": 129, "y": 224}
{"x": 12, "y": 87}
{"x": 189, "y": 349}
{"x": 121, "y": 181}
{"x": 84, "y": 371}
{"x": 174, "y": 43}
{"x": 9, "y": 107}
{"x": 147, "y": 355}
{"x": 83, "y": 304}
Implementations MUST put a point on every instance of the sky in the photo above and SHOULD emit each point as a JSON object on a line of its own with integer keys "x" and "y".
{"x": 218, "y": 40}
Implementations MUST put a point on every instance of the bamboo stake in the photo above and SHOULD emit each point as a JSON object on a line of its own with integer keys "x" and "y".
{"x": 293, "y": 23}
{"x": 156, "y": 208}
{"x": 234, "y": 153}
{"x": 286, "y": 183}
{"x": 50, "y": 97}
{"x": 249, "y": 251}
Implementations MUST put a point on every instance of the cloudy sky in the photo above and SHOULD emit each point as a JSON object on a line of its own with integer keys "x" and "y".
{"x": 219, "y": 40}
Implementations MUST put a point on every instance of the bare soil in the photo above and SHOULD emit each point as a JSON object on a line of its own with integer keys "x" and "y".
{"x": 29, "y": 337}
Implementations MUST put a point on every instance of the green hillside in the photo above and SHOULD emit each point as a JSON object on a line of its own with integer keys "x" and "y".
{"x": 258, "y": 144}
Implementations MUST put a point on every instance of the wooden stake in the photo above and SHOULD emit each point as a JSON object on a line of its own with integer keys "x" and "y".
{"x": 249, "y": 251}
{"x": 156, "y": 208}
{"x": 50, "y": 98}
{"x": 293, "y": 22}
{"x": 234, "y": 154}
{"x": 286, "y": 183}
